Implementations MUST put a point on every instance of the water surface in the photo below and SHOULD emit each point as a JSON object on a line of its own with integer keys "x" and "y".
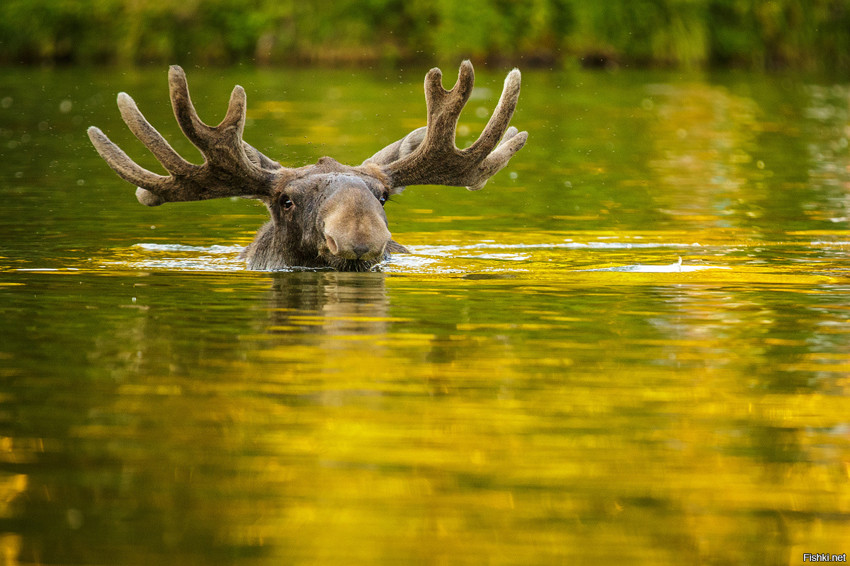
{"x": 632, "y": 347}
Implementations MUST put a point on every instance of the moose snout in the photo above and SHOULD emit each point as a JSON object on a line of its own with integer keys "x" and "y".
{"x": 369, "y": 249}
{"x": 355, "y": 227}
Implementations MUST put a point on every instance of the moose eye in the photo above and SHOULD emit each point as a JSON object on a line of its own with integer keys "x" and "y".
{"x": 383, "y": 198}
{"x": 286, "y": 202}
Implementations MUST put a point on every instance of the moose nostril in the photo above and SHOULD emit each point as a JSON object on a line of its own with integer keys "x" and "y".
{"x": 332, "y": 245}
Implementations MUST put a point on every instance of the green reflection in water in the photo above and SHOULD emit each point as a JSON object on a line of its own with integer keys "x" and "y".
{"x": 634, "y": 349}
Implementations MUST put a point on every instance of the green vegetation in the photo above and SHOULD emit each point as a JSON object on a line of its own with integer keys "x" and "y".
{"x": 803, "y": 34}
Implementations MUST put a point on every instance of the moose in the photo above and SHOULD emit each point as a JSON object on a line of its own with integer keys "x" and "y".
{"x": 326, "y": 215}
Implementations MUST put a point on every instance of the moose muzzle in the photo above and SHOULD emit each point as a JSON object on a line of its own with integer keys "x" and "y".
{"x": 355, "y": 226}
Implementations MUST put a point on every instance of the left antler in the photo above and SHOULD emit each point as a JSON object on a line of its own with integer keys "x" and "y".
{"x": 429, "y": 156}
{"x": 231, "y": 166}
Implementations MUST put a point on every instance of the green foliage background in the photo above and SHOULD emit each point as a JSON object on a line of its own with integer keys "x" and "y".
{"x": 756, "y": 34}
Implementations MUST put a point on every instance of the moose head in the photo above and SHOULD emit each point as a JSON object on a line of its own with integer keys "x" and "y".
{"x": 322, "y": 215}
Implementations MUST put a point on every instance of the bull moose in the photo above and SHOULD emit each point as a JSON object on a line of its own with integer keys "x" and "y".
{"x": 327, "y": 214}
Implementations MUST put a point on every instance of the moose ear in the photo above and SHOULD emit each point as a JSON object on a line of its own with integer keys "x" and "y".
{"x": 398, "y": 149}
{"x": 391, "y": 153}
{"x": 375, "y": 171}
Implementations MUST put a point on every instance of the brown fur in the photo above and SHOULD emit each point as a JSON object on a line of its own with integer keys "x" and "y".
{"x": 323, "y": 215}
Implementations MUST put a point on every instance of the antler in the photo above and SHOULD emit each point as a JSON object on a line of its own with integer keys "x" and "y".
{"x": 231, "y": 166}
{"x": 429, "y": 155}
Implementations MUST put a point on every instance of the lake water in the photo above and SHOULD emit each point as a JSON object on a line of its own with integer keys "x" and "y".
{"x": 632, "y": 347}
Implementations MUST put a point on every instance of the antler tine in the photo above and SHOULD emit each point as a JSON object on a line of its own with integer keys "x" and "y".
{"x": 216, "y": 143}
{"x": 444, "y": 106}
{"x": 126, "y": 168}
{"x": 232, "y": 167}
{"x": 437, "y": 160}
{"x": 187, "y": 117}
{"x": 501, "y": 117}
{"x": 152, "y": 139}
{"x": 201, "y": 135}
{"x": 512, "y": 142}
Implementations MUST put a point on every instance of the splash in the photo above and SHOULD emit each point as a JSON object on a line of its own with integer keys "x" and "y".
{"x": 179, "y": 257}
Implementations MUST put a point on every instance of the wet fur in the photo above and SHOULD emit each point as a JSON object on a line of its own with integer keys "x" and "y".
{"x": 297, "y": 238}
{"x": 269, "y": 253}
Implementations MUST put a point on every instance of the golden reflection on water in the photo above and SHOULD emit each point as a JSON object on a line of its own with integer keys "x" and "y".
{"x": 614, "y": 417}
{"x": 570, "y": 456}
{"x": 602, "y": 422}
{"x": 550, "y": 397}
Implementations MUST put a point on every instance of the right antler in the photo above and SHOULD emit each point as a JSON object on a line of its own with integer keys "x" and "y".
{"x": 231, "y": 166}
{"x": 428, "y": 156}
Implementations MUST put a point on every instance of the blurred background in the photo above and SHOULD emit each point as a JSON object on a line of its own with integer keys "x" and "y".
{"x": 751, "y": 34}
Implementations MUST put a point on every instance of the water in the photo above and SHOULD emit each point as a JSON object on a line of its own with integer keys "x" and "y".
{"x": 632, "y": 347}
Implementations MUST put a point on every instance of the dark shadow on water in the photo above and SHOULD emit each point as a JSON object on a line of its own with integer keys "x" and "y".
{"x": 332, "y": 302}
